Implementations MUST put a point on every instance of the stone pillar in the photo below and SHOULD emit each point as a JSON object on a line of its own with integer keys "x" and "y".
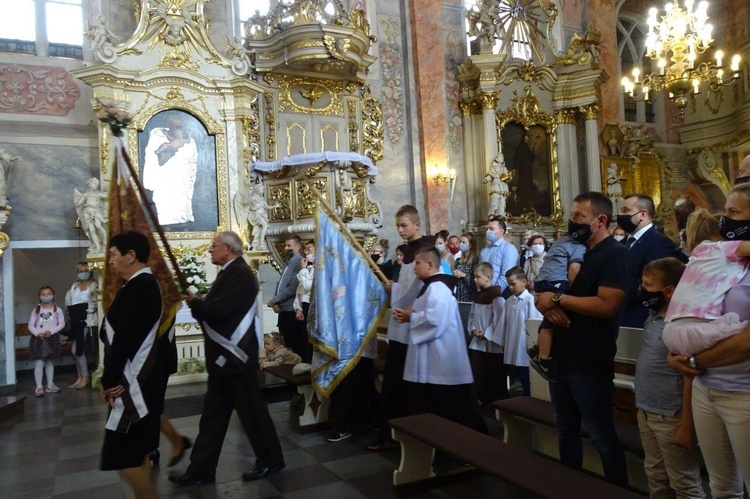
{"x": 490, "y": 138}
{"x": 591, "y": 112}
{"x": 567, "y": 158}
{"x": 429, "y": 72}
{"x": 471, "y": 160}
{"x": 604, "y": 16}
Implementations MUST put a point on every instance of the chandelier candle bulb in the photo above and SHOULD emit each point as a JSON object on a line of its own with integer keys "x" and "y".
{"x": 736, "y": 63}
{"x": 636, "y": 74}
{"x": 719, "y": 57}
{"x": 696, "y": 86}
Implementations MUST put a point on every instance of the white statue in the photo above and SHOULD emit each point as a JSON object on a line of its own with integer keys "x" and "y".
{"x": 91, "y": 208}
{"x": 101, "y": 40}
{"x": 498, "y": 179}
{"x": 5, "y": 160}
{"x": 251, "y": 207}
{"x": 241, "y": 58}
{"x": 614, "y": 186}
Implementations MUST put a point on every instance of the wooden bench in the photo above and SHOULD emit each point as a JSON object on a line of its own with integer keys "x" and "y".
{"x": 316, "y": 405}
{"x": 23, "y": 353}
{"x": 421, "y": 435}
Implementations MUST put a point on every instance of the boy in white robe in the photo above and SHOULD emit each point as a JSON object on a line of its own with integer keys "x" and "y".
{"x": 437, "y": 369}
{"x": 518, "y": 308}
{"x": 486, "y": 325}
{"x": 403, "y": 289}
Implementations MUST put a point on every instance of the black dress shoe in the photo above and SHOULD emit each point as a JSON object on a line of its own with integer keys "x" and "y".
{"x": 186, "y": 444}
{"x": 261, "y": 472}
{"x": 190, "y": 478}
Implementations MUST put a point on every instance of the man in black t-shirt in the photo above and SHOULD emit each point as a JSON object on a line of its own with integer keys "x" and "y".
{"x": 587, "y": 318}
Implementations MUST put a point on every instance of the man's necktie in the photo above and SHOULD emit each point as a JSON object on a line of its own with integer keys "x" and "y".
{"x": 629, "y": 242}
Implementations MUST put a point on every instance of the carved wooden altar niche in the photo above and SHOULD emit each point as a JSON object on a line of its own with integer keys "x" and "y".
{"x": 528, "y": 140}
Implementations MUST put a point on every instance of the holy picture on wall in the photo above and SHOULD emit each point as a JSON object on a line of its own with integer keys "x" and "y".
{"x": 177, "y": 159}
{"x": 527, "y": 158}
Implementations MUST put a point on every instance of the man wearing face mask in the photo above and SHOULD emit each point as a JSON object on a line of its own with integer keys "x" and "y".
{"x": 586, "y": 320}
{"x": 293, "y": 331}
{"x": 501, "y": 254}
{"x": 646, "y": 244}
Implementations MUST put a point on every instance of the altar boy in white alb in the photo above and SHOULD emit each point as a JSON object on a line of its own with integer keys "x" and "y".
{"x": 437, "y": 369}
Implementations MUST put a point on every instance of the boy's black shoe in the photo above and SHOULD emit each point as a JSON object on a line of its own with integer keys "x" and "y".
{"x": 545, "y": 367}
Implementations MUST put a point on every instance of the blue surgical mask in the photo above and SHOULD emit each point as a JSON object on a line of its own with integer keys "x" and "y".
{"x": 440, "y": 248}
{"x": 490, "y": 235}
{"x": 463, "y": 247}
{"x": 84, "y": 276}
{"x": 46, "y": 299}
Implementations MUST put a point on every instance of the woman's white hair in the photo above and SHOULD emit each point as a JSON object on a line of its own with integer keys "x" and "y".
{"x": 232, "y": 240}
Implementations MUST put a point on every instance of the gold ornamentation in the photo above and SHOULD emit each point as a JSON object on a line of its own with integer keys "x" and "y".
{"x": 177, "y": 58}
{"x": 289, "y": 138}
{"x": 323, "y": 143}
{"x": 566, "y": 116}
{"x": 312, "y": 94}
{"x": 526, "y": 111}
{"x": 527, "y": 72}
{"x": 591, "y": 112}
{"x": 372, "y": 126}
{"x": 251, "y": 136}
{"x": 487, "y": 100}
{"x": 281, "y": 194}
{"x": 104, "y": 144}
{"x": 333, "y": 89}
{"x": 582, "y": 49}
{"x": 4, "y": 242}
{"x": 358, "y": 20}
{"x": 359, "y": 197}
{"x": 353, "y": 126}
{"x": 313, "y": 170}
{"x": 337, "y": 47}
{"x": 566, "y": 96}
{"x": 270, "y": 107}
{"x": 307, "y": 202}
{"x": 351, "y": 87}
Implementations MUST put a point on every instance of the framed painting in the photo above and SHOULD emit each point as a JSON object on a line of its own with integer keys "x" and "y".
{"x": 528, "y": 140}
{"x": 178, "y": 169}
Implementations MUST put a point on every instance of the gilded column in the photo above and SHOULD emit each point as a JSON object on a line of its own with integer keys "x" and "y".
{"x": 488, "y": 101}
{"x": 567, "y": 157}
{"x": 591, "y": 112}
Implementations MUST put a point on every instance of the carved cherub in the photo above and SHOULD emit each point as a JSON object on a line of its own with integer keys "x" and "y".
{"x": 101, "y": 40}
{"x": 242, "y": 59}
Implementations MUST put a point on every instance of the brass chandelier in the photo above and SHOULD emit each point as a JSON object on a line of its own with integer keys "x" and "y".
{"x": 675, "y": 42}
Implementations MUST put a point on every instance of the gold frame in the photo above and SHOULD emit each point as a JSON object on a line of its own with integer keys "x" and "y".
{"x": 526, "y": 111}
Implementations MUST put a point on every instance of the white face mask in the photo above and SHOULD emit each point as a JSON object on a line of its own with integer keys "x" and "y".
{"x": 537, "y": 249}
{"x": 310, "y": 257}
{"x": 619, "y": 238}
{"x": 440, "y": 247}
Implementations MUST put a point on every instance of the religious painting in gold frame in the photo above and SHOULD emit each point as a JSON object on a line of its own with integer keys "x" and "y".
{"x": 641, "y": 175}
{"x": 528, "y": 141}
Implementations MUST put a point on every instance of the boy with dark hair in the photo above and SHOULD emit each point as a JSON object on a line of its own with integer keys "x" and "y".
{"x": 403, "y": 293}
{"x": 663, "y": 396}
{"x": 437, "y": 369}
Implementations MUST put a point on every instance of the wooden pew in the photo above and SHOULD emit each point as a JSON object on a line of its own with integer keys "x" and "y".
{"x": 316, "y": 405}
{"x": 422, "y": 434}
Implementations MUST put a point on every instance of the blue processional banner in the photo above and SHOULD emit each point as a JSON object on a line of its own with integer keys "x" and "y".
{"x": 348, "y": 303}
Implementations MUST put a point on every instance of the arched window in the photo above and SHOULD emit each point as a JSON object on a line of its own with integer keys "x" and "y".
{"x": 514, "y": 25}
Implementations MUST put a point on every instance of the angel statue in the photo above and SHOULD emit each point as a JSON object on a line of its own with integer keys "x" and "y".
{"x": 101, "y": 40}
{"x": 498, "y": 178}
{"x": 91, "y": 208}
{"x": 614, "y": 186}
{"x": 5, "y": 160}
{"x": 250, "y": 206}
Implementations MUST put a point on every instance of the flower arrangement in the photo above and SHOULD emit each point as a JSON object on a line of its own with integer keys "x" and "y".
{"x": 191, "y": 265}
{"x": 108, "y": 111}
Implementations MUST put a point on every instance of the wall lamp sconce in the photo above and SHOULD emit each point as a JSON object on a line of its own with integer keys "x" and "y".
{"x": 443, "y": 175}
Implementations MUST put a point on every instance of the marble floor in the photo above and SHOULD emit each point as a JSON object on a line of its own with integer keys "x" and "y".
{"x": 52, "y": 450}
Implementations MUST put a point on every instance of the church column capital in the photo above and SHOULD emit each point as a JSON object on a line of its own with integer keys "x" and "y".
{"x": 466, "y": 106}
{"x": 488, "y": 100}
{"x": 566, "y": 116}
{"x": 591, "y": 111}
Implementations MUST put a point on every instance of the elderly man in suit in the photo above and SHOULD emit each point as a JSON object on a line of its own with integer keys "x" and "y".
{"x": 229, "y": 316}
{"x": 293, "y": 331}
{"x": 646, "y": 244}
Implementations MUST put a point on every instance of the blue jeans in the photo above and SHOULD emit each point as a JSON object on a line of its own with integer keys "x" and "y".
{"x": 586, "y": 396}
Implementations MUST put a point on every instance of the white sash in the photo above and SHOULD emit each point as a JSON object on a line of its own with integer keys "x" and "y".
{"x": 231, "y": 344}
{"x": 131, "y": 371}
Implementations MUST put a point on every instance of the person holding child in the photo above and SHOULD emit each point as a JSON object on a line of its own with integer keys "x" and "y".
{"x": 518, "y": 307}
{"x": 437, "y": 369}
{"x": 486, "y": 324}
{"x": 45, "y": 324}
{"x": 672, "y": 461}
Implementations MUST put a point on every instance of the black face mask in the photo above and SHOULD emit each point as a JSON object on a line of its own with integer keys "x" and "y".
{"x": 734, "y": 230}
{"x": 579, "y": 232}
{"x": 652, "y": 300}
{"x": 741, "y": 180}
{"x": 626, "y": 223}
{"x": 375, "y": 257}
{"x": 289, "y": 252}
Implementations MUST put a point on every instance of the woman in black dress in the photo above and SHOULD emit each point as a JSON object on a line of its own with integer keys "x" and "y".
{"x": 130, "y": 382}
{"x": 464, "y": 269}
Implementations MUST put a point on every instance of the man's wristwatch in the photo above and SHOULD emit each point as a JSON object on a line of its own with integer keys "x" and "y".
{"x": 556, "y": 298}
{"x": 693, "y": 363}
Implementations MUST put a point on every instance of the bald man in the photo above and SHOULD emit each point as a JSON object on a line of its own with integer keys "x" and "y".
{"x": 743, "y": 172}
